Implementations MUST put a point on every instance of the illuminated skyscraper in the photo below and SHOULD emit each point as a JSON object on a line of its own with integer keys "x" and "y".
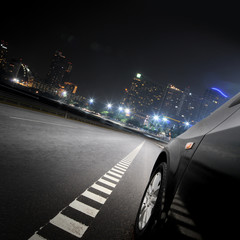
{"x": 59, "y": 70}
{"x": 171, "y": 101}
{"x": 213, "y": 98}
{"x": 180, "y": 105}
{"x": 144, "y": 96}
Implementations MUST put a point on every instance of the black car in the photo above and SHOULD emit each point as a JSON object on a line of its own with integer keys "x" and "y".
{"x": 196, "y": 178}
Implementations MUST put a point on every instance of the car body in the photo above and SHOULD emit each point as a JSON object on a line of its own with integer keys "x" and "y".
{"x": 203, "y": 172}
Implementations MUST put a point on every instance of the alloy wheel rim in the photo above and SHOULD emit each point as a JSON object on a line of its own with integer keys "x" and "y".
{"x": 149, "y": 200}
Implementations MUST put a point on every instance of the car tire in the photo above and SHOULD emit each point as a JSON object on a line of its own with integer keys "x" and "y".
{"x": 150, "y": 210}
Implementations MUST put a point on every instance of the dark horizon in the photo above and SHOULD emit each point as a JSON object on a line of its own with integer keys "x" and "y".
{"x": 109, "y": 44}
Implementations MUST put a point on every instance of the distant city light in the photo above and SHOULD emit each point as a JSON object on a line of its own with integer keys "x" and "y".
{"x": 109, "y": 105}
{"x": 156, "y": 117}
{"x": 164, "y": 119}
{"x": 64, "y": 93}
{"x": 127, "y": 110}
{"x": 120, "y": 109}
{"x": 3, "y": 46}
{"x": 91, "y": 100}
{"x": 187, "y": 123}
{"x": 218, "y": 90}
{"x": 15, "y": 80}
{"x": 139, "y": 75}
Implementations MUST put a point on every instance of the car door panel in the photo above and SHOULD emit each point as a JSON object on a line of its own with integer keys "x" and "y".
{"x": 211, "y": 183}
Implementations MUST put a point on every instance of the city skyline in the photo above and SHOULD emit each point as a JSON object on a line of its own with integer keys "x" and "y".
{"x": 144, "y": 97}
{"x": 108, "y": 44}
{"x": 120, "y": 91}
{"x": 66, "y": 65}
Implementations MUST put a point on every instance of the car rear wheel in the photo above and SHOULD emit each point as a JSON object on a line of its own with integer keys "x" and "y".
{"x": 150, "y": 209}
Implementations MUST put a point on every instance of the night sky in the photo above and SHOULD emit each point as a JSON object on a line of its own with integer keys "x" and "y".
{"x": 192, "y": 45}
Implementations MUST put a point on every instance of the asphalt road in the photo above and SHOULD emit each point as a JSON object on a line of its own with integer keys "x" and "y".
{"x": 63, "y": 179}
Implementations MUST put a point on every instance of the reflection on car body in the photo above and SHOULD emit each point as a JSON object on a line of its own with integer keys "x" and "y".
{"x": 200, "y": 179}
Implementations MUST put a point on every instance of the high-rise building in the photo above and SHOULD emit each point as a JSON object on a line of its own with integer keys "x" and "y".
{"x": 189, "y": 106}
{"x": 180, "y": 105}
{"x": 59, "y": 70}
{"x": 171, "y": 102}
{"x": 3, "y": 55}
{"x": 212, "y": 99}
{"x": 144, "y": 96}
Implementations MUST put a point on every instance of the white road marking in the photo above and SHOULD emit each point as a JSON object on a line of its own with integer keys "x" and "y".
{"x": 37, "y": 237}
{"x": 110, "y": 177}
{"x": 94, "y": 197}
{"x": 107, "y": 182}
{"x": 84, "y": 208}
{"x": 120, "y": 165}
{"x": 102, "y": 189}
{"x": 116, "y": 170}
{"x": 127, "y": 163}
{"x": 69, "y": 225}
{"x": 124, "y": 164}
{"x": 128, "y": 159}
{"x": 32, "y": 120}
{"x": 114, "y": 174}
{"x": 122, "y": 169}
{"x": 76, "y": 228}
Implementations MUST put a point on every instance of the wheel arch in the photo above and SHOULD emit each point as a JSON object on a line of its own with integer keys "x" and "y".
{"x": 163, "y": 157}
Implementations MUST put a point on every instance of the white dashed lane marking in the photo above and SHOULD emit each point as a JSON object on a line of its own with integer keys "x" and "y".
{"x": 37, "y": 121}
{"x": 114, "y": 174}
{"x": 69, "y": 225}
{"x": 112, "y": 178}
{"x": 36, "y": 237}
{"x": 101, "y": 189}
{"x": 94, "y": 197}
{"x": 75, "y": 219}
{"x": 107, "y": 182}
{"x": 84, "y": 208}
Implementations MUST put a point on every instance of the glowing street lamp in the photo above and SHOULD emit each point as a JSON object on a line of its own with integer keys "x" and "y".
{"x": 120, "y": 109}
{"x": 164, "y": 119}
{"x": 91, "y": 100}
{"x": 155, "y": 117}
{"x": 109, "y": 106}
{"x": 127, "y": 111}
{"x": 64, "y": 93}
{"x": 15, "y": 80}
{"x": 187, "y": 124}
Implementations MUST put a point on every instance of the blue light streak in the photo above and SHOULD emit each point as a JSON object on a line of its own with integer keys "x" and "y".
{"x": 218, "y": 90}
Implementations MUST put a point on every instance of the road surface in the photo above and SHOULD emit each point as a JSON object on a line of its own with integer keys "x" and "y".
{"x": 63, "y": 179}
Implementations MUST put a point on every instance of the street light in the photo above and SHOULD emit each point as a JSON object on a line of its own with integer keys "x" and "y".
{"x": 155, "y": 117}
{"x": 127, "y": 111}
{"x": 91, "y": 100}
{"x": 164, "y": 119}
{"x": 64, "y": 93}
{"x": 15, "y": 80}
{"x": 120, "y": 109}
{"x": 109, "y": 106}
